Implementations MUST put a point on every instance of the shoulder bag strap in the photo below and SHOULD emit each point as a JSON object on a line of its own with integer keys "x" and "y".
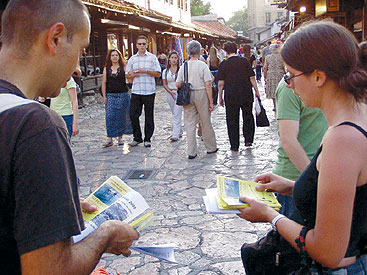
{"x": 186, "y": 68}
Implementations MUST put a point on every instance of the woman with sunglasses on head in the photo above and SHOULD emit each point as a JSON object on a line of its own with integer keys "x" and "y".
{"x": 169, "y": 77}
{"x": 327, "y": 69}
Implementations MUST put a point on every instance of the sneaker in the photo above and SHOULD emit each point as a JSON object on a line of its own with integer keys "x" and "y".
{"x": 248, "y": 144}
{"x": 134, "y": 143}
{"x": 192, "y": 157}
{"x": 147, "y": 144}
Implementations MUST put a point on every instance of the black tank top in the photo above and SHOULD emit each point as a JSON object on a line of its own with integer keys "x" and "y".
{"x": 305, "y": 197}
{"x": 116, "y": 83}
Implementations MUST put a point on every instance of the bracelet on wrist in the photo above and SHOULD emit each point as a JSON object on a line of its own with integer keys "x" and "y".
{"x": 276, "y": 219}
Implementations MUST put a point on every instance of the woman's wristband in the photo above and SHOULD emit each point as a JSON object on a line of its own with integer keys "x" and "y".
{"x": 276, "y": 219}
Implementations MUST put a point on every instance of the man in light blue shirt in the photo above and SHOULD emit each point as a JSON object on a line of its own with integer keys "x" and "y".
{"x": 141, "y": 69}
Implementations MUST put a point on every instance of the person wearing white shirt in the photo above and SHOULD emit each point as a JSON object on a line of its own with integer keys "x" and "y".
{"x": 221, "y": 52}
{"x": 169, "y": 77}
{"x": 141, "y": 69}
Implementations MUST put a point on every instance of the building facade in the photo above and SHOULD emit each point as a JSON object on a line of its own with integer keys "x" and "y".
{"x": 262, "y": 16}
{"x": 115, "y": 24}
{"x": 216, "y": 25}
{"x": 179, "y": 10}
{"x": 351, "y": 14}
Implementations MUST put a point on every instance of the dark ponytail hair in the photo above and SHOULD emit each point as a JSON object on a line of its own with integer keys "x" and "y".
{"x": 331, "y": 48}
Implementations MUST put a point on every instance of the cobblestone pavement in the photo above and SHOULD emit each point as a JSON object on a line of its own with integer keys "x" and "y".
{"x": 207, "y": 244}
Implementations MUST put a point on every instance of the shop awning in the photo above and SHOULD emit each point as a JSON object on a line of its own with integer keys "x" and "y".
{"x": 127, "y": 8}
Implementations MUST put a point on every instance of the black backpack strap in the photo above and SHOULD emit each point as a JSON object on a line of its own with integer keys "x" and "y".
{"x": 359, "y": 128}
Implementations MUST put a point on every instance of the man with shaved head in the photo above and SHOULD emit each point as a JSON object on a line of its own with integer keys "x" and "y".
{"x": 39, "y": 201}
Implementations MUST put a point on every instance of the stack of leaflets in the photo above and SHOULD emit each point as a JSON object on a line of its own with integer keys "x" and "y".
{"x": 117, "y": 201}
{"x": 225, "y": 199}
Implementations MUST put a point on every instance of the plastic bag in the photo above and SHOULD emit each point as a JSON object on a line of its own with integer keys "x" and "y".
{"x": 257, "y": 106}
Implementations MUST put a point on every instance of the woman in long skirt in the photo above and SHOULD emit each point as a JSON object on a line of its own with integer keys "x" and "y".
{"x": 115, "y": 97}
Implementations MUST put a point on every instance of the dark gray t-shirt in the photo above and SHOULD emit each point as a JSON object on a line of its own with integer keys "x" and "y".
{"x": 39, "y": 201}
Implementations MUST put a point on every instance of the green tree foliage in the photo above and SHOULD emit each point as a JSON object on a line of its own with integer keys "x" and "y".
{"x": 199, "y": 8}
{"x": 239, "y": 21}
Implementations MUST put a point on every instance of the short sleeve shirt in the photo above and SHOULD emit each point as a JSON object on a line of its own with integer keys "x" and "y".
{"x": 171, "y": 79}
{"x": 236, "y": 72}
{"x": 62, "y": 103}
{"x": 39, "y": 201}
{"x": 143, "y": 84}
{"x": 221, "y": 55}
{"x": 198, "y": 74}
{"x": 312, "y": 127}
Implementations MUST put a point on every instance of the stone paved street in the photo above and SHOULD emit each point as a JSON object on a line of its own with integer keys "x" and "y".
{"x": 207, "y": 244}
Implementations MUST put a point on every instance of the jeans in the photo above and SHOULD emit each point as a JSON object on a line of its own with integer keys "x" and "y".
{"x": 258, "y": 72}
{"x": 288, "y": 205}
{"x": 359, "y": 267}
{"x": 69, "y": 123}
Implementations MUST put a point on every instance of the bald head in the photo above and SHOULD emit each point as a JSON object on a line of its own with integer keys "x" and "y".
{"x": 24, "y": 20}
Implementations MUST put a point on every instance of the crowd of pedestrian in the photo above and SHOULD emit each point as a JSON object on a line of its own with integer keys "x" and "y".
{"x": 208, "y": 73}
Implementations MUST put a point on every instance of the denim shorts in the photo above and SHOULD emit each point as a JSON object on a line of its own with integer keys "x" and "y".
{"x": 359, "y": 267}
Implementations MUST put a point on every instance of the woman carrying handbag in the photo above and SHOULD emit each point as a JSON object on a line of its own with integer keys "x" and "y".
{"x": 331, "y": 194}
{"x": 201, "y": 101}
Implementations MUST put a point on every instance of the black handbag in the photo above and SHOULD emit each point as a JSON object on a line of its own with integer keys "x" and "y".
{"x": 183, "y": 94}
{"x": 261, "y": 118}
{"x": 270, "y": 255}
{"x": 273, "y": 255}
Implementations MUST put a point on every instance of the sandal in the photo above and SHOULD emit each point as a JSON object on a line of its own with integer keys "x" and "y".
{"x": 107, "y": 144}
{"x": 120, "y": 142}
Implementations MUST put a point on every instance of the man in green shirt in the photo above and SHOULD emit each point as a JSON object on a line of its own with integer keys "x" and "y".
{"x": 301, "y": 131}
